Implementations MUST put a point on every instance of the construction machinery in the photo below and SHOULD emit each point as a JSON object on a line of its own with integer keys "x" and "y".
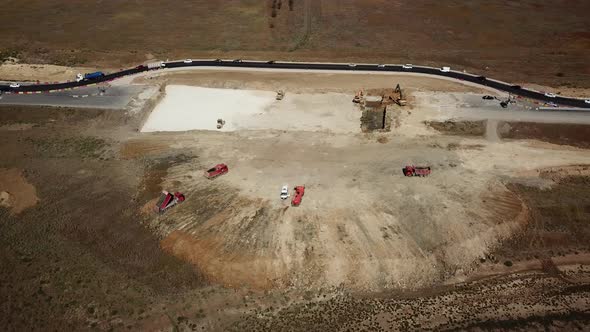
{"x": 416, "y": 170}
{"x": 358, "y": 97}
{"x": 220, "y": 123}
{"x": 168, "y": 200}
{"x": 399, "y": 97}
{"x": 216, "y": 171}
{"x": 280, "y": 95}
{"x": 299, "y": 192}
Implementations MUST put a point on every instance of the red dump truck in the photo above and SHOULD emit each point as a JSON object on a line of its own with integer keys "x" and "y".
{"x": 299, "y": 192}
{"x": 416, "y": 170}
{"x": 168, "y": 200}
{"x": 216, "y": 171}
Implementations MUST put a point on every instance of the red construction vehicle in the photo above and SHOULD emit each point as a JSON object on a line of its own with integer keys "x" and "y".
{"x": 168, "y": 200}
{"x": 299, "y": 192}
{"x": 416, "y": 170}
{"x": 216, "y": 171}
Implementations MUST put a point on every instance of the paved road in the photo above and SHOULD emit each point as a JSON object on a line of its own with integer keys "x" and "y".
{"x": 114, "y": 97}
{"x": 481, "y": 80}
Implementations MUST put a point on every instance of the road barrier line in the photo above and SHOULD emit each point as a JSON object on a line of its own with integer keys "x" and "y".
{"x": 303, "y": 66}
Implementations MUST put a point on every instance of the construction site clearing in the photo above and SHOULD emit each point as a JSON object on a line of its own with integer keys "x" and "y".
{"x": 335, "y": 160}
{"x": 471, "y": 184}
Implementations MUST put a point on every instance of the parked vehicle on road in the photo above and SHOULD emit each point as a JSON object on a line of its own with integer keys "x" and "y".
{"x": 550, "y": 95}
{"x": 188, "y": 61}
{"x": 445, "y": 69}
{"x": 15, "y": 85}
{"x": 351, "y": 65}
{"x": 587, "y": 101}
{"x": 407, "y": 66}
{"x": 156, "y": 65}
{"x": 89, "y": 76}
{"x": 381, "y": 66}
{"x": 486, "y": 97}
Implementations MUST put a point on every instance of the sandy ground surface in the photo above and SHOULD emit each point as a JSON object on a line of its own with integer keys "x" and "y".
{"x": 40, "y": 72}
{"x": 360, "y": 223}
{"x": 307, "y": 81}
{"x": 188, "y": 108}
{"x": 194, "y": 108}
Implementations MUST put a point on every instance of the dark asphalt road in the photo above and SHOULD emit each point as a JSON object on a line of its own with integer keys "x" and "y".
{"x": 481, "y": 80}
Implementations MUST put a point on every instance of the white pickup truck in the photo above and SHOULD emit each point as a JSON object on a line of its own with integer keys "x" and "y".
{"x": 285, "y": 192}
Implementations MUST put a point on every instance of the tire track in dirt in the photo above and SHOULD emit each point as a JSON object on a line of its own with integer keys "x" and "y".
{"x": 307, "y": 20}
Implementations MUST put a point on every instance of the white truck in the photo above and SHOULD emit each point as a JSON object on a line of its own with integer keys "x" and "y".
{"x": 156, "y": 65}
{"x": 285, "y": 192}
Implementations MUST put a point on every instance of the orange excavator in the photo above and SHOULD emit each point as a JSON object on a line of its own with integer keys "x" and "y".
{"x": 358, "y": 97}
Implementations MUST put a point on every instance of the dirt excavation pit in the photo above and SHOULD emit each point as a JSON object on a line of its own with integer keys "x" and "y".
{"x": 186, "y": 108}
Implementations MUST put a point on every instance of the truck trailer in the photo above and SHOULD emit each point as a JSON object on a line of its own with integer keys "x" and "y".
{"x": 89, "y": 76}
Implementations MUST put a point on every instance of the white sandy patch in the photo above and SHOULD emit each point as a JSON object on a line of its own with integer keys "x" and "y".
{"x": 195, "y": 108}
{"x": 333, "y": 112}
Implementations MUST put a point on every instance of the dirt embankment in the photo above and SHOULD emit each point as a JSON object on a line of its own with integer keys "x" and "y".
{"x": 558, "y": 218}
{"x": 565, "y": 134}
{"x": 462, "y": 128}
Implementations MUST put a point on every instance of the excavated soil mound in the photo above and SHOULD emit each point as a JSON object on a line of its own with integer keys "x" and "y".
{"x": 15, "y": 192}
{"x": 466, "y": 128}
{"x": 148, "y": 208}
{"x": 237, "y": 241}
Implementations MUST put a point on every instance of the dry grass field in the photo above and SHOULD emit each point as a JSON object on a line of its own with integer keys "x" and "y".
{"x": 521, "y": 41}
